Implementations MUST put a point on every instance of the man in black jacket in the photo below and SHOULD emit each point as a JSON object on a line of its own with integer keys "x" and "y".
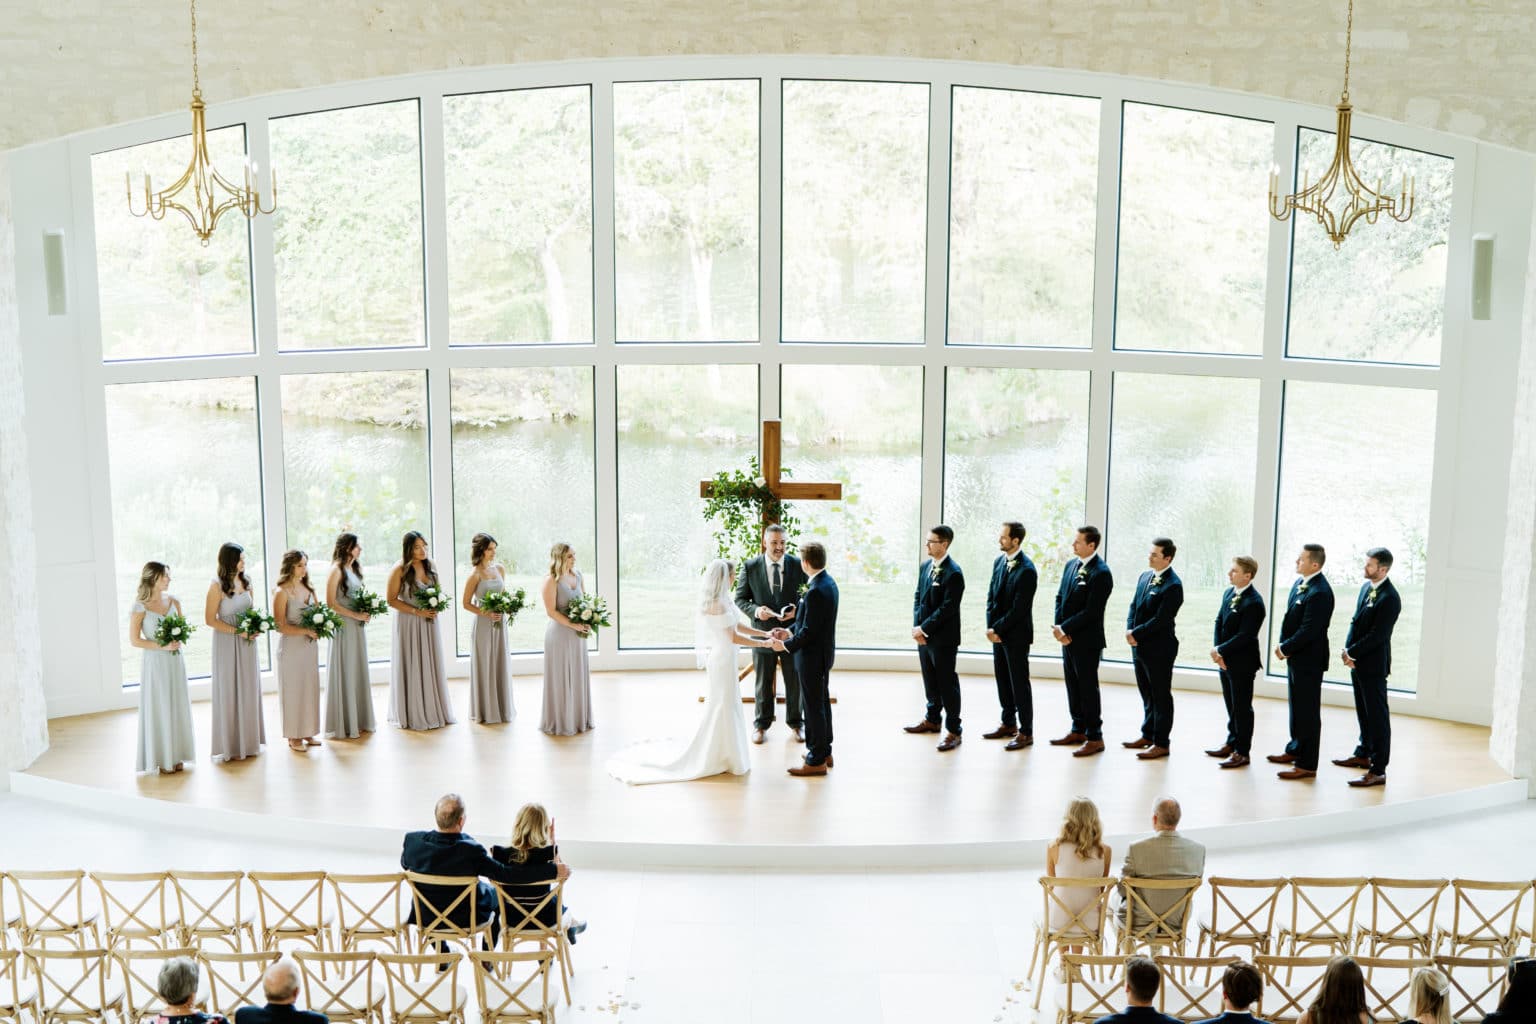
{"x": 1154, "y": 648}
{"x": 1235, "y": 651}
{"x": 766, "y": 586}
{"x": 1079, "y": 628}
{"x": 936, "y": 631}
{"x": 1011, "y": 628}
{"x": 1368, "y": 656}
{"x": 1304, "y": 649}
{"x": 280, "y": 984}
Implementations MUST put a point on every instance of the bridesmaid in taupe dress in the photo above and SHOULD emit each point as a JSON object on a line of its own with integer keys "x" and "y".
{"x": 238, "y": 729}
{"x": 490, "y": 673}
{"x": 348, "y": 692}
{"x": 298, "y": 653}
{"x": 567, "y": 682}
{"x": 418, "y": 687}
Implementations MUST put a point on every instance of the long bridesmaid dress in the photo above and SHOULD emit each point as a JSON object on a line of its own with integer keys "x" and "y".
{"x": 348, "y": 696}
{"x": 238, "y": 728}
{"x": 490, "y": 672}
{"x": 165, "y": 710}
{"x": 298, "y": 676}
{"x": 418, "y": 685}
{"x": 567, "y": 681}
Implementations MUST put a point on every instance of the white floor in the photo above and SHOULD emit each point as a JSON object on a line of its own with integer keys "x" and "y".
{"x": 851, "y": 947}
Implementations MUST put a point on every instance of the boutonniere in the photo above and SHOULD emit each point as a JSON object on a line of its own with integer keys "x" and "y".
{"x": 1301, "y": 588}
{"x": 1370, "y": 599}
{"x": 1082, "y": 574}
{"x": 1157, "y": 581}
{"x": 1012, "y": 564}
{"x": 1236, "y": 600}
{"x": 936, "y": 572}
{"x": 803, "y": 588}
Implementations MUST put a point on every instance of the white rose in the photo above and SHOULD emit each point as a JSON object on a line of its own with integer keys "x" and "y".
{"x": 586, "y": 616}
{"x": 176, "y": 631}
{"x": 758, "y": 481}
{"x": 319, "y": 617}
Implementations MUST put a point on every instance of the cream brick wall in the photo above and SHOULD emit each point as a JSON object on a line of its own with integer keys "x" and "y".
{"x": 1464, "y": 66}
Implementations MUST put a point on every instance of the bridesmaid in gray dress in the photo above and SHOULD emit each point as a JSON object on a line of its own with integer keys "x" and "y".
{"x": 490, "y": 672}
{"x": 418, "y": 686}
{"x": 567, "y": 682}
{"x": 165, "y": 711}
{"x": 298, "y": 653}
{"x": 348, "y": 695}
{"x": 238, "y": 728}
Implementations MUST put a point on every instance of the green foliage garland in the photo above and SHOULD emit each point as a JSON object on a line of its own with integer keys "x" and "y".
{"x": 740, "y": 501}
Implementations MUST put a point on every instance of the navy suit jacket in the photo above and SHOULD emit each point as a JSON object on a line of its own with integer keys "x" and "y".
{"x": 936, "y": 603}
{"x": 1080, "y": 603}
{"x": 1370, "y": 632}
{"x": 278, "y": 1013}
{"x": 1011, "y": 599}
{"x": 1138, "y": 1015}
{"x": 1237, "y": 632}
{"x": 813, "y": 639}
{"x": 459, "y": 855}
{"x": 1304, "y": 630}
{"x": 1152, "y": 611}
{"x": 1235, "y": 1017}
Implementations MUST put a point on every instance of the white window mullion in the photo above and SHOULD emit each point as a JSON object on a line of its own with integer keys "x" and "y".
{"x": 935, "y": 308}
{"x": 605, "y": 358}
{"x": 267, "y": 366}
{"x": 770, "y": 243}
{"x": 1106, "y": 244}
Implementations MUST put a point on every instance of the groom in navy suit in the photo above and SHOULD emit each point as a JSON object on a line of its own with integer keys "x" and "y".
{"x": 1155, "y": 647}
{"x": 1079, "y": 628}
{"x": 936, "y": 631}
{"x": 1368, "y": 656}
{"x": 1304, "y": 649}
{"x": 813, "y": 642}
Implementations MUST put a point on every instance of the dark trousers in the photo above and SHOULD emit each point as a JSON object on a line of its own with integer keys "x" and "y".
{"x": 766, "y": 662}
{"x": 1304, "y": 691}
{"x": 1010, "y": 664}
{"x": 1237, "y": 692}
{"x": 1375, "y": 725}
{"x": 1154, "y": 678}
{"x": 1081, "y": 669}
{"x": 818, "y": 707}
{"x": 941, "y": 685}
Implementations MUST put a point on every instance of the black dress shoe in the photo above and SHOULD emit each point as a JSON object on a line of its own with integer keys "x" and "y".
{"x": 576, "y": 928}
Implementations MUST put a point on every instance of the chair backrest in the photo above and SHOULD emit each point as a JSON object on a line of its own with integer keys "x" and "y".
{"x": 71, "y": 983}
{"x": 139, "y": 971}
{"x": 1287, "y": 996}
{"x": 1323, "y": 912}
{"x": 50, "y": 904}
{"x": 421, "y": 986}
{"x": 1156, "y": 912}
{"x": 1387, "y": 983}
{"x": 1243, "y": 911}
{"x": 437, "y": 901}
{"x": 1095, "y": 987}
{"x": 1083, "y": 927}
{"x": 133, "y": 907}
{"x": 1477, "y": 984}
{"x": 1403, "y": 914}
{"x": 513, "y": 987}
{"x": 522, "y": 908}
{"x": 234, "y": 979}
{"x": 210, "y": 905}
{"x": 291, "y": 905}
{"x": 1484, "y": 915}
{"x": 368, "y": 909}
{"x": 1181, "y": 995}
{"x": 339, "y": 985}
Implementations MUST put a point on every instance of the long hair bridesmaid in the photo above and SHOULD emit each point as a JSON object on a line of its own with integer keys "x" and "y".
{"x": 348, "y": 696}
{"x": 418, "y": 687}
{"x": 298, "y": 652}
{"x": 165, "y": 711}
{"x": 490, "y": 693}
{"x": 238, "y": 729}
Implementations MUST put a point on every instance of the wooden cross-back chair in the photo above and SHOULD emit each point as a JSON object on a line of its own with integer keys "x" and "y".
{"x": 234, "y": 979}
{"x": 1477, "y": 984}
{"x": 134, "y": 908}
{"x": 1387, "y": 984}
{"x": 1484, "y": 916}
{"x": 1083, "y": 927}
{"x": 1322, "y": 914}
{"x": 436, "y": 900}
{"x": 1402, "y": 916}
{"x": 74, "y": 985}
{"x": 368, "y": 910}
{"x": 1095, "y": 987}
{"x": 291, "y": 908}
{"x": 51, "y": 905}
{"x": 1285, "y": 998}
{"x": 507, "y": 994}
{"x": 341, "y": 985}
{"x": 1143, "y": 927}
{"x": 423, "y": 988}
{"x": 1180, "y": 995}
{"x": 1242, "y": 915}
{"x": 138, "y": 970}
{"x": 211, "y": 907}
{"x": 18, "y": 993}
{"x": 522, "y": 909}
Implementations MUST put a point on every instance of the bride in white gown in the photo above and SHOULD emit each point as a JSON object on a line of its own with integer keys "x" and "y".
{"x": 720, "y": 743}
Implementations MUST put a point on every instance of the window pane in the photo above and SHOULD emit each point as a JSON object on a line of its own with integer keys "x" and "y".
{"x": 523, "y": 469}
{"x": 355, "y": 460}
{"x": 1334, "y": 434}
{"x": 685, "y": 210}
{"x": 1015, "y": 447}
{"x": 1022, "y": 215}
{"x": 186, "y": 477}
{"x": 347, "y": 233}
{"x": 861, "y": 426}
{"x": 1193, "y": 238}
{"x": 677, "y": 425}
{"x": 162, "y": 292}
{"x": 1380, "y": 296}
{"x": 1182, "y": 458}
{"x": 519, "y": 180}
{"x": 855, "y": 211}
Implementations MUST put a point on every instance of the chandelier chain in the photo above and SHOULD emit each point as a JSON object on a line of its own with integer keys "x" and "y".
{"x": 197, "y": 87}
{"x": 1349, "y": 35}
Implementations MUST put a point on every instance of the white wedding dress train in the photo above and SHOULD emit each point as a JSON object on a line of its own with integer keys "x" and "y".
{"x": 720, "y": 743}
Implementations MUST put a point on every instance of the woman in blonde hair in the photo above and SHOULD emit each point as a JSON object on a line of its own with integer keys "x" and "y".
{"x": 1430, "y": 994}
{"x": 298, "y": 654}
{"x": 1078, "y": 851}
{"x": 165, "y": 711}
{"x": 533, "y": 854}
{"x": 567, "y": 681}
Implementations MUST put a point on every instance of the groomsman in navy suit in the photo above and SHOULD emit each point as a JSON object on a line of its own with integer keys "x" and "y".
{"x": 936, "y": 631}
{"x": 1304, "y": 649}
{"x": 1011, "y": 628}
{"x": 1368, "y": 656}
{"x": 1237, "y": 658}
{"x": 1079, "y": 628}
{"x": 1155, "y": 647}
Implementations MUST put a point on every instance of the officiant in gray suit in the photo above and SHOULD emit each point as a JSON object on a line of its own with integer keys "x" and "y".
{"x": 767, "y": 589}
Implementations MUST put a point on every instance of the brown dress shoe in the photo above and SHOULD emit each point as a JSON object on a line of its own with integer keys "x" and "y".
{"x": 757, "y": 736}
{"x": 1368, "y": 779}
{"x": 1089, "y": 749}
{"x": 950, "y": 742}
{"x": 1071, "y": 739}
{"x": 806, "y": 771}
{"x": 1353, "y": 761}
{"x": 1002, "y": 732}
{"x": 1019, "y": 742}
{"x": 1235, "y": 761}
{"x": 1140, "y": 743}
{"x": 1296, "y": 773}
{"x": 1281, "y": 758}
{"x": 923, "y": 726}
{"x": 1152, "y": 754}
{"x": 1225, "y": 750}
{"x": 828, "y": 761}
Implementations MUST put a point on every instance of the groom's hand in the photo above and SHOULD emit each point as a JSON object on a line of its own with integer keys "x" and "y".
{"x": 779, "y": 634}
{"x": 778, "y": 644}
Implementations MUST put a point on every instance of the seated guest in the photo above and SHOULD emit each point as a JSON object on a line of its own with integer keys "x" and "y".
{"x": 1142, "y": 979}
{"x": 280, "y": 984}
{"x": 448, "y": 851}
{"x": 1430, "y": 995}
{"x": 1241, "y": 986}
{"x": 1165, "y": 854}
{"x": 533, "y": 854}
{"x": 1519, "y": 1002}
{"x": 177, "y": 986}
{"x": 1078, "y": 851}
{"x": 1340, "y": 997}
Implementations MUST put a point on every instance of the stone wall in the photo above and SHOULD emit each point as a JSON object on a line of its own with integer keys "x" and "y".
{"x": 1463, "y": 66}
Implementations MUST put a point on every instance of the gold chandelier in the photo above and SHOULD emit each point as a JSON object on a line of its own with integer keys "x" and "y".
{"x": 211, "y": 194}
{"x": 1361, "y": 201}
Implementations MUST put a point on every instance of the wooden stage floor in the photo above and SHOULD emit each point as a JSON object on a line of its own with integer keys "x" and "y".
{"x": 888, "y": 790}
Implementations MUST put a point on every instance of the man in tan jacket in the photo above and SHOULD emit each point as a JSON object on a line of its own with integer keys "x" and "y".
{"x": 1164, "y": 854}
